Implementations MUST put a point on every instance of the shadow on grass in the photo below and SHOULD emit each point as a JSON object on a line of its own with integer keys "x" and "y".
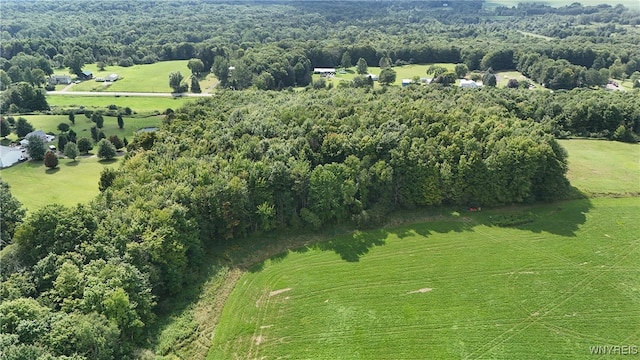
{"x": 562, "y": 218}
{"x": 109, "y": 161}
{"x": 252, "y": 253}
{"x": 73, "y": 163}
{"x": 52, "y": 171}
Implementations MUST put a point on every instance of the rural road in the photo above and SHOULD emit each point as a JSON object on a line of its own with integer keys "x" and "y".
{"x": 125, "y": 94}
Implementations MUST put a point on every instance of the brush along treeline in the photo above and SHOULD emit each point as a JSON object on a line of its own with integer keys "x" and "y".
{"x": 242, "y": 162}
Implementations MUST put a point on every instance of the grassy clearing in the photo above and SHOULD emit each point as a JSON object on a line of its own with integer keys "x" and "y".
{"x": 137, "y": 103}
{"x": 503, "y": 78}
{"x": 82, "y": 126}
{"x": 70, "y": 183}
{"x": 402, "y": 72}
{"x": 548, "y": 38}
{"x": 73, "y": 181}
{"x": 455, "y": 287}
{"x": 603, "y": 167}
{"x": 137, "y": 78}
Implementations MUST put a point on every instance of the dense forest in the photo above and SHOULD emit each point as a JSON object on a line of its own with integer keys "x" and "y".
{"x": 286, "y": 40}
{"x": 85, "y": 282}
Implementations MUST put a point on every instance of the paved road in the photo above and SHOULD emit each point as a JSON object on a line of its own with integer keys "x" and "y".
{"x": 125, "y": 94}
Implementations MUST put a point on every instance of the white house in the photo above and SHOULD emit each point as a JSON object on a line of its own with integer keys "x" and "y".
{"x": 373, "y": 77}
{"x": 9, "y": 155}
{"x": 469, "y": 84}
{"x": 324, "y": 71}
{"x": 426, "y": 81}
{"x": 112, "y": 77}
{"x": 60, "y": 79}
{"x": 39, "y": 133}
{"x": 406, "y": 82}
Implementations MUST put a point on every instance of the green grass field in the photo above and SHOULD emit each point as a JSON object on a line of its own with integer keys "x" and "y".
{"x": 603, "y": 167}
{"x": 70, "y": 183}
{"x": 139, "y": 78}
{"x": 410, "y": 71}
{"x": 82, "y": 126}
{"x": 454, "y": 287}
{"x": 137, "y": 103}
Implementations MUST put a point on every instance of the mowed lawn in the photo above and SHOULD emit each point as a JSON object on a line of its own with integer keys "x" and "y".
{"x": 71, "y": 183}
{"x": 413, "y": 70}
{"x": 136, "y": 103}
{"x": 603, "y": 167}
{"x": 82, "y": 126}
{"x": 452, "y": 288}
{"x": 140, "y": 78}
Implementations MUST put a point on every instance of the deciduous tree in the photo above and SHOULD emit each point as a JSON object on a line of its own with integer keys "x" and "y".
{"x": 106, "y": 150}
{"x": 387, "y": 76}
{"x": 23, "y": 127}
{"x": 175, "y": 81}
{"x": 84, "y": 145}
{"x": 50, "y": 159}
{"x": 11, "y": 215}
{"x": 71, "y": 151}
{"x": 5, "y": 128}
{"x": 36, "y": 148}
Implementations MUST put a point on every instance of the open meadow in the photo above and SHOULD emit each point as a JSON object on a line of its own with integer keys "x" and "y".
{"x": 137, "y": 104}
{"x": 83, "y": 125}
{"x": 552, "y": 281}
{"x": 72, "y": 182}
{"x": 140, "y": 78}
{"x": 413, "y": 70}
{"x": 603, "y": 167}
{"x": 454, "y": 287}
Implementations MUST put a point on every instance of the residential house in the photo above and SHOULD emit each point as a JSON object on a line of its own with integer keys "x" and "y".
{"x": 406, "y": 82}
{"x": 112, "y": 77}
{"x": 325, "y": 72}
{"x": 469, "y": 84}
{"x": 59, "y": 79}
{"x": 9, "y": 156}
{"x": 39, "y": 133}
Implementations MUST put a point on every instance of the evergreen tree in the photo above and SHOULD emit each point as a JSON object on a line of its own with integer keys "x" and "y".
{"x": 361, "y": 67}
{"x": 195, "y": 85}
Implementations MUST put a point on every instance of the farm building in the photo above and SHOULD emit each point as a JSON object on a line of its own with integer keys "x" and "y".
{"x": 325, "y": 71}
{"x": 39, "y": 133}
{"x": 9, "y": 155}
{"x": 426, "y": 81}
{"x": 112, "y": 77}
{"x": 85, "y": 75}
{"x": 406, "y": 82}
{"x": 470, "y": 84}
{"x": 59, "y": 79}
